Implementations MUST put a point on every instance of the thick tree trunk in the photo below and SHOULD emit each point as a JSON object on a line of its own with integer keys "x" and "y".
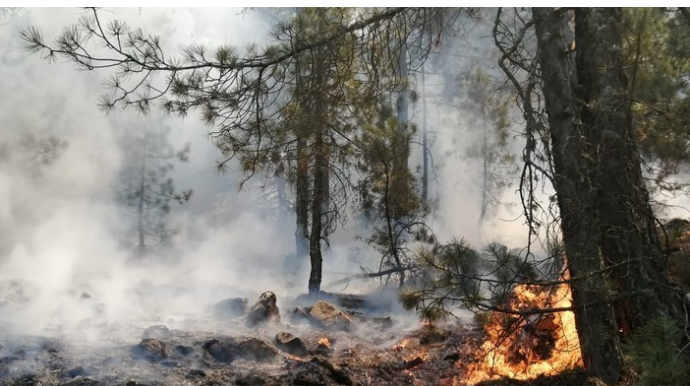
{"x": 594, "y": 319}
{"x": 626, "y": 224}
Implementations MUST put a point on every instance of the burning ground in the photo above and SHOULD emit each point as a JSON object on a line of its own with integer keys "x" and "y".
{"x": 334, "y": 340}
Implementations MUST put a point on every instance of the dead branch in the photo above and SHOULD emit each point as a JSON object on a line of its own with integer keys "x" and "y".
{"x": 371, "y": 275}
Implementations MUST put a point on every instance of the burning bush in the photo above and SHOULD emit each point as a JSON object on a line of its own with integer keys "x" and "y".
{"x": 530, "y": 329}
{"x": 530, "y": 341}
{"x": 455, "y": 274}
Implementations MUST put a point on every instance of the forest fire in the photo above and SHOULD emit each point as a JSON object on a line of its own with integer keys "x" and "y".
{"x": 526, "y": 345}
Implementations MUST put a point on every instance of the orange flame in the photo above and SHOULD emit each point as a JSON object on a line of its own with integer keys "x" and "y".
{"x": 402, "y": 345}
{"x": 525, "y": 346}
{"x": 324, "y": 342}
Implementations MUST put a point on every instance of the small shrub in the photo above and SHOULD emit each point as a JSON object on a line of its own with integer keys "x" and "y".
{"x": 654, "y": 356}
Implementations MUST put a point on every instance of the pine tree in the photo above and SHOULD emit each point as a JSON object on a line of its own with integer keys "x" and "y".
{"x": 488, "y": 112}
{"x": 390, "y": 194}
{"x": 146, "y": 189}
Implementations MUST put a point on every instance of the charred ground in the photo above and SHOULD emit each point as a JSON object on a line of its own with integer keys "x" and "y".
{"x": 328, "y": 340}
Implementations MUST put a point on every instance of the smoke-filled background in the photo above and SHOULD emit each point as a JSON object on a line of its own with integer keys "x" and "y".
{"x": 65, "y": 249}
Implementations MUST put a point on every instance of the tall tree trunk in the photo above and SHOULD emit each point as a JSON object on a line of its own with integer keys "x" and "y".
{"x": 302, "y": 178}
{"x": 301, "y": 205}
{"x": 576, "y": 200}
{"x": 626, "y": 223}
{"x": 317, "y": 210}
{"x": 401, "y": 156}
{"x": 389, "y": 204}
{"x": 319, "y": 63}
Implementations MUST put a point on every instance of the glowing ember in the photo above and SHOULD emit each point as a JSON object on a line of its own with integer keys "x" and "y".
{"x": 525, "y": 346}
{"x": 402, "y": 345}
{"x": 325, "y": 342}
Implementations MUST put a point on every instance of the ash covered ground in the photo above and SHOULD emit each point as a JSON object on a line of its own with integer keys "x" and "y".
{"x": 260, "y": 339}
{"x": 254, "y": 340}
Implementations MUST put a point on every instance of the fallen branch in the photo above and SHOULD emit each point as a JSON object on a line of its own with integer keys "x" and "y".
{"x": 370, "y": 275}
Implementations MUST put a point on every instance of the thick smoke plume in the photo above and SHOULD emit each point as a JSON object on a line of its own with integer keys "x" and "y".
{"x": 63, "y": 265}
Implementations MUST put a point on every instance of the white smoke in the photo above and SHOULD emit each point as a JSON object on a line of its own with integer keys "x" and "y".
{"x": 61, "y": 261}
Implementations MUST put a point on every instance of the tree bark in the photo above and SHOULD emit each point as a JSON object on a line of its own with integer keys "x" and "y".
{"x": 318, "y": 201}
{"x": 302, "y": 178}
{"x": 573, "y": 183}
{"x": 397, "y": 178}
{"x": 626, "y": 223}
{"x": 320, "y": 61}
{"x": 301, "y": 206}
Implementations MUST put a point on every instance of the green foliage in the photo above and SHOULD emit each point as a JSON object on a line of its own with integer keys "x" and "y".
{"x": 454, "y": 274}
{"x": 658, "y": 64}
{"x": 674, "y": 240}
{"x": 653, "y": 354}
{"x": 447, "y": 276}
{"x": 390, "y": 197}
{"x": 510, "y": 268}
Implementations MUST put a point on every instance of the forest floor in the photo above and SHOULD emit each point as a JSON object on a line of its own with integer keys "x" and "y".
{"x": 336, "y": 341}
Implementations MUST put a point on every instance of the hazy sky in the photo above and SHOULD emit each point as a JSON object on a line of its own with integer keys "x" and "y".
{"x": 57, "y": 231}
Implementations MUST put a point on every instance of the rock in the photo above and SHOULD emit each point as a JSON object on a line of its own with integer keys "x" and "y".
{"x": 255, "y": 349}
{"x": 77, "y": 372}
{"x": 290, "y": 344}
{"x": 183, "y": 350}
{"x": 26, "y": 380}
{"x": 158, "y": 331}
{"x": 221, "y": 350}
{"x": 249, "y": 348}
{"x": 265, "y": 310}
{"x": 299, "y": 315}
{"x": 135, "y": 383}
{"x": 329, "y": 317}
{"x": 151, "y": 349}
{"x": 230, "y": 308}
{"x": 255, "y": 378}
{"x": 195, "y": 373}
{"x": 308, "y": 378}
